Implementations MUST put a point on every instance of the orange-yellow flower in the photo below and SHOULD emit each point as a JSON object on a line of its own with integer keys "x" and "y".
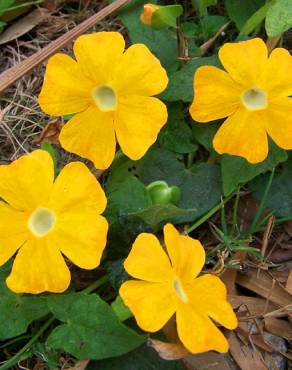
{"x": 253, "y": 94}
{"x": 111, "y": 90}
{"x": 148, "y": 10}
{"x": 168, "y": 284}
{"x": 41, "y": 219}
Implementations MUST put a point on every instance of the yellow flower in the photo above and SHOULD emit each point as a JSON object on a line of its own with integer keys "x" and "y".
{"x": 111, "y": 90}
{"x": 168, "y": 284}
{"x": 253, "y": 94}
{"x": 41, "y": 219}
{"x": 148, "y": 10}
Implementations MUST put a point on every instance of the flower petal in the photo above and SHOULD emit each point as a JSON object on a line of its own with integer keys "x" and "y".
{"x": 207, "y": 295}
{"x": 76, "y": 188}
{"x": 26, "y": 183}
{"x": 137, "y": 123}
{"x": 152, "y": 304}
{"x": 245, "y": 61}
{"x": 90, "y": 134}
{"x": 81, "y": 236}
{"x": 66, "y": 89}
{"x": 147, "y": 260}
{"x": 197, "y": 332}
{"x": 187, "y": 255}
{"x": 279, "y": 73}
{"x": 146, "y": 76}
{"x": 243, "y": 134}
{"x": 77, "y": 200}
{"x": 216, "y": 94}
{"x": 279, "y": 122}
{"x": 98, "y": 53}
{"x": 13, "y": 231}
{"x": 38, "y": 267}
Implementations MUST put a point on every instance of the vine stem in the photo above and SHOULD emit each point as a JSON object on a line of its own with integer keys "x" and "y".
{"x": 14, "y": 359}
{"x": 96, "y": 284}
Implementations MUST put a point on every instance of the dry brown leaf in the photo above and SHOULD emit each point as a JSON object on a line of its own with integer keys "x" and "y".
{"x": 251, "y": 305}
{"x": 265, "y": 286}
{"x": 50, "y": 132}
{"x": 23, "y": 25}
{"x": 245, "y": 357}
{"x": 80, "y": 365}
{"x": 209, "y": 361}
{"x": 169, "y": 351}
{"x": 288, "y": 285}
{"x": 279, "y": 327}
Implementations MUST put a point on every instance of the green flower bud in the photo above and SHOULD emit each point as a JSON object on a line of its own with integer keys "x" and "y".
{"x": 161, "y": 193}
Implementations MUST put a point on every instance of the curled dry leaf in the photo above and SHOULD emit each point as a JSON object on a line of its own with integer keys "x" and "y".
{"x": 80, "y": 365}
{"x": 50, "y": 132}
{"x": 281, "y": 328}
{"x": 23, "y": 25}
{"x": 288, "y": 285}
{"x": 169, "y": 351}
{"x": 264, "y": 285}
{"x": 246, "y": 357}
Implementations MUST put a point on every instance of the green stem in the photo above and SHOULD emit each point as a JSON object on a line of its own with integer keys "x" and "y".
{"x": 261, "y": 208}
{"x": 223, "y": 219}
{"x": 96, "y": 284}
{"x": 234, "y": 213}
{"x": 15, "y": 340}
{"x": 24, "y": 5}
{"x": 208, "y": 215}
{"x": 14, "y": 359}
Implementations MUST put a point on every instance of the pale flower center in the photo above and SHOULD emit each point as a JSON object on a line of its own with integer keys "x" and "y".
{"x": 105, "y": 98}
{"x": 180, "y": 290}
{"x": 254, "y": 99}
{"x": 41, "y": 221}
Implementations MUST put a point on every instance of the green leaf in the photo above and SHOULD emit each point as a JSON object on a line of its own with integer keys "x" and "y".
{"x": 17, "y": 311}
{"x": 156, "y": 214}
{"x": 200, "y": 185}
{"x": 131, "y": 196}
{"x": 176, "y": 134}
{"x": 202, "y": 5}
{"x": 180, "y": 86}
{"x": 166, "y": 16}
{"x": 116, "y": 273}
{"x": 279, "y": 18}
{"x": 236, "y": 170}
{"x": 256, "y": 19}
{"x": 211, "y": 24}
{"x": 161, "y": 42}
{"x": 90, "y": 328}
{"x": 142, "y": 358}
{"x": 190, "y": 29}
{"x": 5, "y": 4}
{"x": 120, "y": 309}
{"x": 204, "y": 134}
{"x": 240, "y": 11}
{"x": 279, "y": 198}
